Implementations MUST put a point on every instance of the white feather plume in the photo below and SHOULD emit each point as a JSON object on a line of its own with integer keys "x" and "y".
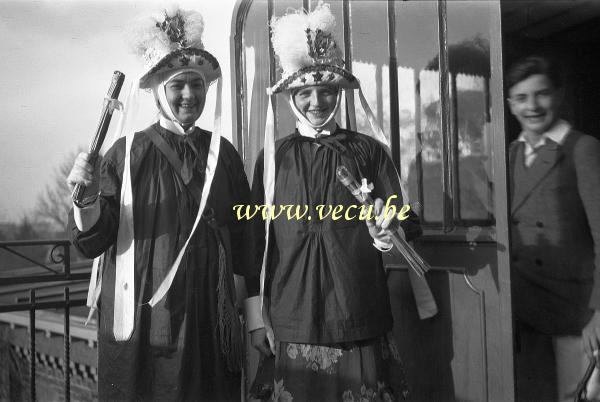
{"x": 321, "y": 18}
{"x": 289, "y": 41}
{"x": 149, "y": 42}
{"x": 169, "y": 9}
{"x": 289, "y": 36}
{"x": 194, "y": 29}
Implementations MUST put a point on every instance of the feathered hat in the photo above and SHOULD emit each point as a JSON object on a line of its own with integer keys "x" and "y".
{"x": 169, "y": 40}
{"x": 307, "y": 51}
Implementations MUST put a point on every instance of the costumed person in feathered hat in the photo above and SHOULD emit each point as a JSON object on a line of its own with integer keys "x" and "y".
{"x": 325, "y": 303}
{"x": 162, "y": 216}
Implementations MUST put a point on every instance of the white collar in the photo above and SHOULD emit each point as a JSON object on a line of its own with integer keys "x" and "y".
{"x": 172, "y": 126}
{"x": 557, "y": 133}
{"x": 308, "y": 131}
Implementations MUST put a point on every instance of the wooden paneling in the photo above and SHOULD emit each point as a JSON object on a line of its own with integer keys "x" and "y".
{"x": 463, "y": 352}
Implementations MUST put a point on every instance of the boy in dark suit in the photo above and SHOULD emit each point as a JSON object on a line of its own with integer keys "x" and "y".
{"x": 555, "y": 213}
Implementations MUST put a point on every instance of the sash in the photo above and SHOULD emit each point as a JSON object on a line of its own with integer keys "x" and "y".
{"x": 173, "y": 159}
{"x": 227, "y": 316}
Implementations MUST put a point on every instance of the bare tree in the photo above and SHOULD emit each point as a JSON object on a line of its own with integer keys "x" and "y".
{"x": 54, "y": 203}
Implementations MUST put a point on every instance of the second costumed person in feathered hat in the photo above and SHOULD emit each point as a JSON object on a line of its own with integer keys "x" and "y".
{"x": 325, "y": 298}
{"x": 161, "y": 211}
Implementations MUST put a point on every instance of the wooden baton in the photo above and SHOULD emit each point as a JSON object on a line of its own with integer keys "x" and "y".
{"x": 107, "y": 111}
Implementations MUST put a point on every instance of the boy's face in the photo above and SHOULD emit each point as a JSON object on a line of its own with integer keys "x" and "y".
{"x": 534, "y": 102}
{"x": 186, "y": 94}
{"x": 316, "y": 103}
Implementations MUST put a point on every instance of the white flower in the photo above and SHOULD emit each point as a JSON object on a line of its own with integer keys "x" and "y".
{"x": 366, "y": 187}
{"x": 280, "y": 393}
{"x": 348, "y": 396}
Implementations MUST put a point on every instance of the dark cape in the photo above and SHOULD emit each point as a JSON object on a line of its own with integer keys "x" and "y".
{"x": 325, "y": 280}
{"x": 175, "y": 351}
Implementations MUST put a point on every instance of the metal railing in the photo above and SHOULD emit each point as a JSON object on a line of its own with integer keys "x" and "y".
{"x": 60, "y": 256}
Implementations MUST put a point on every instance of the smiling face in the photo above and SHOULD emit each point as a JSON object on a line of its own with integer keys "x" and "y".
{"x": 186, "y": 94}
{"x": 534, "y": 102}
{"x": 316, "y": 103}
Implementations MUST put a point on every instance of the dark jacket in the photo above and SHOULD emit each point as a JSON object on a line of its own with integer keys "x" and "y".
{"x": 555, "y": 213}
{"x": 175, "y": 350}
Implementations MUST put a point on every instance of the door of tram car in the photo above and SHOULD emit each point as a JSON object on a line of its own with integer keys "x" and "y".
{"x": 447, "y": 135}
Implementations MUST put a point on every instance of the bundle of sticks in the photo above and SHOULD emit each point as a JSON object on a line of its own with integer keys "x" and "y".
{"x": 414, "y": 260}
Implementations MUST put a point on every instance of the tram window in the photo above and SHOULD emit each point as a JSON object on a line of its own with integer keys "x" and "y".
{"x": 469, "y": 53}
{"x": 417, "y": 99}
{"x": 418, "y": 89}
{"x": 252, "y": 78}
{"x": 370, "y": 61}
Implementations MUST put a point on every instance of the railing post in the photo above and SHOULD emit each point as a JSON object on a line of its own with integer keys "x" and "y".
{"x": 32, "y": 344}
{"x": 67, "y": 262}
{"x": 350, "y": 111}
{"x": 59, "y": 279}
{"x": 446, "y": 120}
{"x": 393, "y": 82}
{"x": 272, "y": 67}
{"x": 67, "y": 339}
{"x": 419, "y": 147}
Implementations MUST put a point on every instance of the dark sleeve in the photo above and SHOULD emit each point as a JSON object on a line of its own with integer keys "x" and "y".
{"x": 240, "y": 230}
{"x": 587, "y": 166}
{"x": 387, "y": 185}
{"x": 103, "y": 234}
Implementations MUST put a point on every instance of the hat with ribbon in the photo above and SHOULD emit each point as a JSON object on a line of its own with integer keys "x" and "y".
{"x": 308, "y": 55}
{"x": 171, "y": 40}
{"x": 307, "y": 51}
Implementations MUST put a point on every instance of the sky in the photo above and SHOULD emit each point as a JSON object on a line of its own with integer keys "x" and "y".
{"x": 57, "y": 61}
{"x": 58, "y": 58}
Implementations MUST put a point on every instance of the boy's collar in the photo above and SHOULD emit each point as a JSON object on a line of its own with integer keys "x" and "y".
{"x": 556, "y": 133}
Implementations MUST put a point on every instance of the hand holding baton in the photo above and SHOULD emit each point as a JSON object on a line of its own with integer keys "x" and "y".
{"x": 105, "y": 117}
{"x": 415, "y": 261}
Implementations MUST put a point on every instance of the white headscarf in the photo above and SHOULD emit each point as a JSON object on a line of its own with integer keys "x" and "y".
{"x": 160, "y": 93}
{"x": 302, "y": 118}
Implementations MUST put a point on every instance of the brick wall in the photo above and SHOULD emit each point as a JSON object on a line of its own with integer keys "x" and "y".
{"x": 14, "y": 367}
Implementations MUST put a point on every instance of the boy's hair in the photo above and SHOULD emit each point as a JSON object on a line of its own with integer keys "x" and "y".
{"x": 532, "y": 65}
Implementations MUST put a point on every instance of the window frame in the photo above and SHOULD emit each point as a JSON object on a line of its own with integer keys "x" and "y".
{"x": 452, "y": 223}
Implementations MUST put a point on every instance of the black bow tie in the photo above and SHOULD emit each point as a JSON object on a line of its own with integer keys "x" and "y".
{"x": 191, "y": 159}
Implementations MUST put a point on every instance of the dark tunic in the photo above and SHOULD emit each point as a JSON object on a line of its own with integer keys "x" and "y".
{"x": 174, "y": 352}
{"x": 325, "y": 280}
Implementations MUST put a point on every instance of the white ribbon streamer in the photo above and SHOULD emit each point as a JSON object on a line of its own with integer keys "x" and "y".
{"x": 269, "y": 188}
{"x": 124, "y": 304}
{"x": 95, "y": 285}
{"x": 211, "y": 166}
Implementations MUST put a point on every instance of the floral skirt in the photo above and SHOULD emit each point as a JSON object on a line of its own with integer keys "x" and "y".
{"x": 358, "y": 371}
